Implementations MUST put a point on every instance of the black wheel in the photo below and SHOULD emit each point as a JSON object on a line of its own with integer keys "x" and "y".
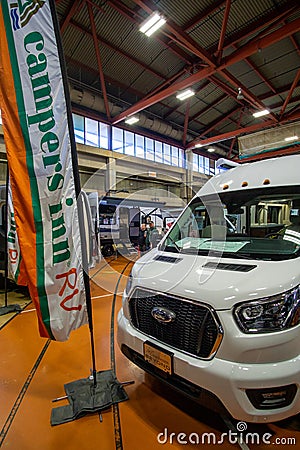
{"x": 107, "y": 250}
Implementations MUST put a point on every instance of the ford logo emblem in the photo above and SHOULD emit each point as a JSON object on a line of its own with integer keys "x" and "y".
{"x": 163, "y": 315}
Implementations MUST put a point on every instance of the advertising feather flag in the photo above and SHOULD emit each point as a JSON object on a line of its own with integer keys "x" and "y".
{"x": 41, "y": 154}
{"x": 48, "y": 207}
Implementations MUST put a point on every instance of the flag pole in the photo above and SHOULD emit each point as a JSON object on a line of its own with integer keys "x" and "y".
{"x": 106, "y": 389}
{"x": 86, "y": 278}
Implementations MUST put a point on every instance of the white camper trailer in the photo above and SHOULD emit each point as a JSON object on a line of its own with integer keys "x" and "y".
{"x": 120, "y": 219}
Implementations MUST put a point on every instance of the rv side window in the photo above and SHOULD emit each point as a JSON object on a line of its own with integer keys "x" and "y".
{"x": 107, "y": 215}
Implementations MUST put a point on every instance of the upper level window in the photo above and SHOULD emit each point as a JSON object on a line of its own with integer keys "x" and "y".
{"x": 158, "y": 151}
{"x": 150, "y": 149}
{"x": 117, "y": 140}
{"x": 206, "y": 166}
{"x": 91, "y": 132}
{"x": 78, "y": 128}
{"x": 195, "y": 162}
{"x": 139, "y": 146}
{"x": 181, "y": 156}
{"x": 104, "y": 129}
{"x": 129, "y": 143}
{"x": 167, "y": 153}
{"x": 174, "y": 157}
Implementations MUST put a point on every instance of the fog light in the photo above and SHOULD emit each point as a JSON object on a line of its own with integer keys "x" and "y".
{"x": 272, "y": 398}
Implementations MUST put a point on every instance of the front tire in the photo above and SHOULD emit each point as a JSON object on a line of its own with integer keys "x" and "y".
{"x": 107, "y": 250}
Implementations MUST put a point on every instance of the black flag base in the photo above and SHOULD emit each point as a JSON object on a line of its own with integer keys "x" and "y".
{"x": 87, "y": 397}
{"x": 9, "y": 309}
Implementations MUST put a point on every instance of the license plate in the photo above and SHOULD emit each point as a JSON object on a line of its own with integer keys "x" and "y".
{"x": 158, "y": 358}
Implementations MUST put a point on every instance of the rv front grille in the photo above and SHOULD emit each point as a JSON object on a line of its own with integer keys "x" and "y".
{"x": 190, "y": 327}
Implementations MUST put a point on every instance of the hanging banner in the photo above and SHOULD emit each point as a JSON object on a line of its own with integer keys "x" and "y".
{"x": 41, "y": 155}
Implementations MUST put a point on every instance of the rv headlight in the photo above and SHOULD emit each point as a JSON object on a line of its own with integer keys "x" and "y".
{"x": 276, "y": 313}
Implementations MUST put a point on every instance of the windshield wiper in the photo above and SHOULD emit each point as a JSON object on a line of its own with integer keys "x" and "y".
{"x": 242, "y": 256}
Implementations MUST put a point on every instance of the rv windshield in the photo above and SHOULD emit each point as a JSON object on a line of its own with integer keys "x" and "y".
{"x": 254, "y": 224}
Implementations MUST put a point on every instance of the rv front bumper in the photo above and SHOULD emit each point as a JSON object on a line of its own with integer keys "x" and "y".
{"x": 259, "y": 393}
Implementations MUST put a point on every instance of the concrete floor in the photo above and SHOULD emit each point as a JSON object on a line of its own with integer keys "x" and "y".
{"x": 34, "y": 371}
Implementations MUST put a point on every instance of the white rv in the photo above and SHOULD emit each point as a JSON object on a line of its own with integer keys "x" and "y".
{"x": 216, "y": 309}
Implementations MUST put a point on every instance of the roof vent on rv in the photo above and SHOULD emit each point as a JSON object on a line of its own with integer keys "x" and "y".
{"x": 226, "y": 164}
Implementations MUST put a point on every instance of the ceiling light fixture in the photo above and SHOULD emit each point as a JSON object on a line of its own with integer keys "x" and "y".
{"x": 185, "y": 94}
{"x": 152, "y": 24}
{"x": 198, "y": 145}
{"x": 240, "y": 94}
{"x": 291, "y": 138}
{"x": 210, "y": 149}
{"x": 131, "y": 120}
{"x": 261, "y": 113}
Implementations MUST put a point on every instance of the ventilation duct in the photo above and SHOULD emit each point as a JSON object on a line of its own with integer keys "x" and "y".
{"x": 89, "y": 100}
{"x": 95, "y": 102}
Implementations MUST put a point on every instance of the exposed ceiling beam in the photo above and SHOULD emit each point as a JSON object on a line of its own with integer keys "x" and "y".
{"x": 261, "y": 76}
{"x": 178, "y": 34}
{"x": 295, "y": 44}
{"x": 254, "y": 101}
{"x": 112, "y": 81}
{"x": 129, "y": 57}
{"x": 190, "y": 45}
{"x": 117, "y": 50}
{"x": 263, "y": 42}
{"x": 181, "y": 38}
{"x": 226, "y": 88}
{"x": 245, "y": 130}
{"x": 263, "y": 26}
{"x": 137, "y": 19}
{"x": 209, "y": 11}
{"x": 172, "y": 110}
{"x": 217, "y": 4}
{"x": 208, "y": 107}
{"x": 212, "y": 126}
{"x": 127, "y": 12}
{"x": 74, "y": 8}
{"x": 95, "y": 6}
{"x": 178, "y": 86}
{"x": 292, "y": 100}
{"x": 280, "y": 91}
{"x": 238, "y": 55}
{"x": 223, "y": 30}
{"x": 98, "y": 57}
{"x": 295, "y": 82}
